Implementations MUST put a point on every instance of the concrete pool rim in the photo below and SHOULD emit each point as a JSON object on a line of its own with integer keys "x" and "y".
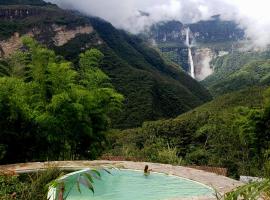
{"x": 220, "y": 183}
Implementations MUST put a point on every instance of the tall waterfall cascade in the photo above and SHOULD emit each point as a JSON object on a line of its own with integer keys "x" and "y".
{"x": 190, "y": 58}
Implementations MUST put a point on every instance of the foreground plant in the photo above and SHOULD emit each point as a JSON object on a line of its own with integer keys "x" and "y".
{"x": 50, "y": 184}
{"x": 57, "y": 112}
{"x": 60, "y": 188}
{"x": 252, "y": 191}
{"x": 26, "y": 186}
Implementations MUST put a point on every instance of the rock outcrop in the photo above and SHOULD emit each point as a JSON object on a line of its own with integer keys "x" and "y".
{"x": 64, "y": 35}
{"x": 202, "y": 59}
{"x": 7, "y": 47}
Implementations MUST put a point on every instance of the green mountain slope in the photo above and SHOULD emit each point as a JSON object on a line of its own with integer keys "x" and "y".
{"x": 153, "y": 88}
{"x": 206, "y": 135}
{"x": 238, "y": 70}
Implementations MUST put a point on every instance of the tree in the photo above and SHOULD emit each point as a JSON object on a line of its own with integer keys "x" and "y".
{"x": 246, "y": 122}
{"x": 66, "y": 111}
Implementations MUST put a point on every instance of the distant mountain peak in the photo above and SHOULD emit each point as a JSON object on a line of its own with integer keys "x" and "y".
{"x": 143, "y": 13}
{"x": 215, "y": 17}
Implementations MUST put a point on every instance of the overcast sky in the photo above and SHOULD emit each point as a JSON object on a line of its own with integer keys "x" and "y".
{"x": 252, "y": 15}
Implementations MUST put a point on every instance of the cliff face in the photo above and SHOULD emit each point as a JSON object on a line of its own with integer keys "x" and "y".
{"x": 7, "y": 47}
{"x": 202, "y": 59}
{"x": 45, "y": 22}
{"x": 214, "y": 30}
{"x": 207, "y": 38}
{"x": 62, "y": 35}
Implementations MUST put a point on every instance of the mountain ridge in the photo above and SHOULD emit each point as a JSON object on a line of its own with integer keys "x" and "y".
{"x": 23, "y": 2}
{"x": 153, "y": 88}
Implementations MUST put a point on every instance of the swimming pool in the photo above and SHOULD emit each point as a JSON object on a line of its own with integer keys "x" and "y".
{"x": 133, "y": 185}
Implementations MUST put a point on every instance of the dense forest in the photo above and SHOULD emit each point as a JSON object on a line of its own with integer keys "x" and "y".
{"x": 238, "y": 70}
{"x": 231, "y": 131}
{"x": 54, "y": 111}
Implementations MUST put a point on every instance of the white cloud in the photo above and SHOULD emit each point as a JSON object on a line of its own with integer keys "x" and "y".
{"x": 252, "y": 15}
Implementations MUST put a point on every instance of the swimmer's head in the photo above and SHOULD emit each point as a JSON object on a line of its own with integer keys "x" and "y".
{"x": 146, "y": 169}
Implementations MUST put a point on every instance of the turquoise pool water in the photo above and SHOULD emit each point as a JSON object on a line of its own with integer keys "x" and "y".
{"x": 133, "y": 185}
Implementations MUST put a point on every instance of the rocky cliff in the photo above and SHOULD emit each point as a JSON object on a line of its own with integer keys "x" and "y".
{"x": 207, "y": 39}
{"x": 202, "y": 61}
{"x": 62, "y": 35}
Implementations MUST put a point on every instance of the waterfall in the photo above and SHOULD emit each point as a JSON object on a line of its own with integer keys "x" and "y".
{"x": 187, "y": 37}
{"x": 190, "y": 58}
{"x": 192, "y": 69}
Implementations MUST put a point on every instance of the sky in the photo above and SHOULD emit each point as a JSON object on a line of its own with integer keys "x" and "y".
{"x": 251, "y": 15}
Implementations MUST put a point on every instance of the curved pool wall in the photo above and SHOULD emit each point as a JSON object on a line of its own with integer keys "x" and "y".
{"x": 133, "y": 185}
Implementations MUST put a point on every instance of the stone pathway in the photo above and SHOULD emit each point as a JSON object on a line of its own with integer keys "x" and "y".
{"x": 221, "y": 183}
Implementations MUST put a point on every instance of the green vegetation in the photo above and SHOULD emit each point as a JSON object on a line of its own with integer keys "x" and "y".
{"x": 237, "y": 71}
{"x": 255, "y": 190}
{"x": 36, "y": 185}
{"x": 27, "y": 186}
{"x": 153, "y": 89}
{"x": 227, "y": 132}
{"x": 49, "y": 111}
{"x": 252, "y": 191}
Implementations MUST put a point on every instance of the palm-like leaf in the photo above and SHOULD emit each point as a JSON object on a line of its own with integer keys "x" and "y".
{"x": 252, "y": 191}
{"x": 85, "y": 179}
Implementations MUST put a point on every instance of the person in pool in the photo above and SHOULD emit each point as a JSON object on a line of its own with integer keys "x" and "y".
{"x": 147, "y": 170}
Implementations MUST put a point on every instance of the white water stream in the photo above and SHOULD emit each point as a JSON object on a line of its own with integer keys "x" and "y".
{"x": 190, "y": 58}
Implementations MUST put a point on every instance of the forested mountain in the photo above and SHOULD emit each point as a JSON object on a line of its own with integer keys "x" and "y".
{"x": 153, "y": 89}
{"x": 238, "y": 70}
{"x": 220, "y": 53}
{"x": 228, "y": 131}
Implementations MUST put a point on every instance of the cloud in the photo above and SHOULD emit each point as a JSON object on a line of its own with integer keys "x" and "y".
{"x": 253, "y": 16}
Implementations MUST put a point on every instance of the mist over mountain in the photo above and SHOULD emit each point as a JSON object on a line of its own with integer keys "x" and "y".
{"x": 127, "y": 14}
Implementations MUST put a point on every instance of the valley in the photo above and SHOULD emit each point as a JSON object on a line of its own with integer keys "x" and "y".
{"x": 75, "y": 87}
